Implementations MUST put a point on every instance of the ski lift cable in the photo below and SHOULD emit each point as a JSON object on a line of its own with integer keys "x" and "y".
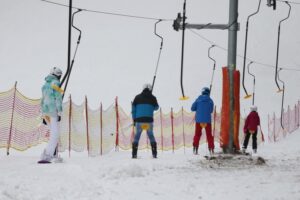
{"x": 291, "y": 2}
{"x": 78, "y": 42}
{"x": 295, "y": 68}
{"x": 282, "y": 100}
{"x": 159, "y": 54}
{"x": 278, "y": 40}
{"x": 245, "y": 49}
{"x": 214, "y": 68}
{"x": 251, "y": 74}
{"x": 107, "y": 13}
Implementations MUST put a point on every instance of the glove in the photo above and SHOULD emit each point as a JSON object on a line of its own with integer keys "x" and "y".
{"x": 133, "y": 124}
{"x": 245, "y": 130}
{"x": 58, "y": 118}
{"x": 44, "y": 121}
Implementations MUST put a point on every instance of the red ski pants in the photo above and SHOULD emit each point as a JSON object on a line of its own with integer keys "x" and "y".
{"x": 198, "y": 133}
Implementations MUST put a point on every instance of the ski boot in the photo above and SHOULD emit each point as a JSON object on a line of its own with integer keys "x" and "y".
{"x": 254, "y": 150}
{"x": 211, "y": 152}
{"x": 154, "y": 149}
{"x": 195, "y": 150}
{"x": 134, "y": 150}
{"x": 244, "y": 151}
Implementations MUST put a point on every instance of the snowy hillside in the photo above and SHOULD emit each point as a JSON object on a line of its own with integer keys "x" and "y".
{"x": 171, "y": 176}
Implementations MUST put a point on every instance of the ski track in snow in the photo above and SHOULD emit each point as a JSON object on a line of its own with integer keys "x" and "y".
{"x": 171, "y": 176}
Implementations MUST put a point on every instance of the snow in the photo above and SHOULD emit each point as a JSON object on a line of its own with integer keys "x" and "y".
{"x": 126, "y": 50}
{"x": 174, "y": 176}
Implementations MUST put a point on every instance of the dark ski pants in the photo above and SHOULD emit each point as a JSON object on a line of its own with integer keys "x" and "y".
{"x": 198, "y": 133}
{"x": 254, "y": 140}
{"x": 139, "y": 127}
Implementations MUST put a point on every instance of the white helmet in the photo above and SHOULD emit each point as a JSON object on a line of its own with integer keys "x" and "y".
{"x": 56, "y": 71}
{"x": 147, "y": 86}
{"x": 253, "y": 108}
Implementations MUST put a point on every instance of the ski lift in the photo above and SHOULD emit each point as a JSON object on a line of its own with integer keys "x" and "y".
{"x": 271, "y": 3}
{"x": 160, "y": 49}
{"x": 214, "y": 67}
{"x": 282, "y": 100}
{"x": 245, "y": 50}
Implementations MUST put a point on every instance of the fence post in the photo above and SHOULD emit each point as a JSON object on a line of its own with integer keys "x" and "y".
{"x": 161, "y": 131}
{"x": 70, "y": 118}
{"x": 214, "y": 128}
{"x": 298, "y": 106}
{"x": 295, "y": 120}
{"x": 269, "y": 128}
{"x": 172, "y": 125}
{"x": 12, "y": 119}
{"x": 117, "y": 125}
{"x": 101, "y": 128}
{"x": 274, "y": 128}
{"x": 87, "y": 126}
{"x": 183, "y": 133}
{"x": 288, "y": 118}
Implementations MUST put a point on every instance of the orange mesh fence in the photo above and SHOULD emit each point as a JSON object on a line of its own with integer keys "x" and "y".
{"x": 100, "y": 131}
{"x": 278, "y": 128}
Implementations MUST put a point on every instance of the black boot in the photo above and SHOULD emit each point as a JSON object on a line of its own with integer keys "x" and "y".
{"x": 154, "y": 149}
{"x": 195, "y": 150}
{"x": 134, "y": 150}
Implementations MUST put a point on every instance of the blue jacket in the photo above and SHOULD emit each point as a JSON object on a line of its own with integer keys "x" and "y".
{"x": 203, "y": 106}
{"x": 143, "y": 107}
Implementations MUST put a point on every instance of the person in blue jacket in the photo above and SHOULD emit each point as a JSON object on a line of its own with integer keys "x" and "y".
{"x": 143, "y": 107}
{"x": 203, "y": 106}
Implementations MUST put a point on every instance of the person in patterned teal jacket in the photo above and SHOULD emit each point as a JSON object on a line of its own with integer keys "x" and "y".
{"x": 51, "y": 106}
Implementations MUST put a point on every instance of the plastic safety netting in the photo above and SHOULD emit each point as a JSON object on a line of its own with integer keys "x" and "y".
{"x": 103, "y": 130}
{"x": 279, "y": 127}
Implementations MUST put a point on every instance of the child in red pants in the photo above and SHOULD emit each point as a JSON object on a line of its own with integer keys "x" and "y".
{"x": 203, "y": 106}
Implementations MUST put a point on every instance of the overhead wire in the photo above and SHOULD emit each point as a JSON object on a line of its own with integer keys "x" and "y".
{"x": 108, "y": 13}
{"x": 199, "y": 35}
{"x": 291, "y": 2}
{"x": 295, "y": 68}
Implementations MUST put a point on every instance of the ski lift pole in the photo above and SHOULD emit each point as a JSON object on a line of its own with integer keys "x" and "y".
{"x": 160, "y": 49}
{"x": 214, "y": 68}
{"x": 253, "y": 95}
{"x": 182, "y": 52}
{"x": 282, "y": 100}
{"x": 69, "y": 43}
{"x": 78, "y": 42}
{"x": 245, "y": 50}
{"x": 278, "y": 39}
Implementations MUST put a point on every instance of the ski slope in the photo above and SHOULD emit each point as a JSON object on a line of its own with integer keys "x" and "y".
{"x": 171, "y": 176}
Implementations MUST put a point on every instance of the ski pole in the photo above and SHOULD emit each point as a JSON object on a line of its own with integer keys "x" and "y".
{"x": 160, "y": 49}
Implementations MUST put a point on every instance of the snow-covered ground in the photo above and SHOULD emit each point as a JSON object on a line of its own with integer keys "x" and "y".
{"x": 171, "y": 176}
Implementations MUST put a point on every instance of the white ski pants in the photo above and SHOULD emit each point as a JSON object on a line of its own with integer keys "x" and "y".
{"x": 54, "y": 136}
